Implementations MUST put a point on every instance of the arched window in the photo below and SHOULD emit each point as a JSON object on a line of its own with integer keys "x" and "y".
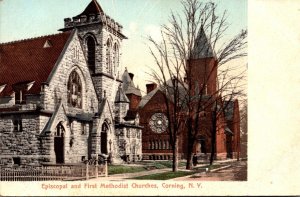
{"x": 74, "y": 90}
{"x": 116, "y": 57}
{"x": 91, "y": 53}
{"x": 60, "y": 131}
{"x": 108, "y": 56}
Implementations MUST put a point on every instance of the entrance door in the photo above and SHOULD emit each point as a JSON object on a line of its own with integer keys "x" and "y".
{"x": 103, "y": 142}
{"x": 59, "y": 144}
{"x": 59, "y": 149}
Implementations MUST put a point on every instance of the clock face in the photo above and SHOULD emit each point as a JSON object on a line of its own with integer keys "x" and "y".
{"x": 158, "y": 123}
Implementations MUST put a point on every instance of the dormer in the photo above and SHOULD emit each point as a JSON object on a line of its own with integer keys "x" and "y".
{"x": 2, "y": 87}
{"x": 20, "y": 89}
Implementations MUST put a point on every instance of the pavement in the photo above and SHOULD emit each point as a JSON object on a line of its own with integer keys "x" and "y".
{"x": 234, "y": 171}
{"x": 231, "y": 170}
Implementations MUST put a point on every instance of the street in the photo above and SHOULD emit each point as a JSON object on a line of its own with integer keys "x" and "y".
{"x": 235, "y": 171}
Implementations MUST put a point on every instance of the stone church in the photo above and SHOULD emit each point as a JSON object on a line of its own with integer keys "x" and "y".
{"x": 62, "y": 97}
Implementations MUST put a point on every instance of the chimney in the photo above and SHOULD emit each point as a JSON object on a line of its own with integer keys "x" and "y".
{"x": 151, "y": 87}
{"x": 131, "y": 76}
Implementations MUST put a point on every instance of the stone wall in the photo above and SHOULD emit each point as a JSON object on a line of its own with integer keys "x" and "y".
{"x": 23, "y": 144}
{"x": 73, "y": 59}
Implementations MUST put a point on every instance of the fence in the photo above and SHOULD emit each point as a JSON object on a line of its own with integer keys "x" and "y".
{"x": 55, "y": 173}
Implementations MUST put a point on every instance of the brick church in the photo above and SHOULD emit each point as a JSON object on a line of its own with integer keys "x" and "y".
{"x": 152, "y": 109}
{"x": 62, "y": 99}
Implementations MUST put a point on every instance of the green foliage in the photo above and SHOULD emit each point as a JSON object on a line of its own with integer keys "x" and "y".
{"x": 120, "y": 169}
{"x": 164, "y": 176}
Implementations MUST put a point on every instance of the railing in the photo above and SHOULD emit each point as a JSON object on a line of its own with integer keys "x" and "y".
{"x": 55, "y": 173}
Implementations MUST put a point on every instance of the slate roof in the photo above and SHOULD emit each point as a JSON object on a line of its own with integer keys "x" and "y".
{"x": 229, "y": 110}
{"x": 120, "y": 96}
{"x": 28, "y": 60}
{"x": 92, "y": 8}
{"x": 202, "y": 47}
{"x": 147, "y": 98}
{"x": 128, "y": 85}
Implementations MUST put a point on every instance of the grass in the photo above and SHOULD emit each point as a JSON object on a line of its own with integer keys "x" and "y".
{"x": 152, "y": 165}
{"x": 164, "y": 175}
{"x": 148, "y": 165}
{"x": 162, "y": 164}
{"x": 119, "y": 169}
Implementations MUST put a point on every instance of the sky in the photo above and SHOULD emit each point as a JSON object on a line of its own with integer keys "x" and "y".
{"x": 21, "y": 19}
{"x": 273, "y": 78}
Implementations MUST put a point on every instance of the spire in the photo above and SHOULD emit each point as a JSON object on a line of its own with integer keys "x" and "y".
{"x": 120, "y": 96}
{"x": 92, "y": 8}
{"x": 128, "y": 85}
{"x": 202, "y": 47}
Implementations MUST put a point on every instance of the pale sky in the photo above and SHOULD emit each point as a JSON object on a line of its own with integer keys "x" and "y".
{"x": 20, "y": 19}
{"x": 274, "y": 80}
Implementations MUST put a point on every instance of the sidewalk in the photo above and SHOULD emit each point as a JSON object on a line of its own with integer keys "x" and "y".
{"x": 120, "y": 177}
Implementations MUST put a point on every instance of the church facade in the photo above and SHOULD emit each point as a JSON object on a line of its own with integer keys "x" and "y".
{"x": 202, "y": 74}
{"x": 62, "y": 99}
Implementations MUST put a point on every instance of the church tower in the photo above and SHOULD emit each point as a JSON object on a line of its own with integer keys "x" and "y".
{"x": 101, "y": 38}
{"x": 202, "y": 66}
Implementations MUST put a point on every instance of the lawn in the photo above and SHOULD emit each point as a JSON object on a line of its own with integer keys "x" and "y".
{"x": 145, "y": 165}
{"x": 152, "y": 165}
{"x": 119, "y": 169}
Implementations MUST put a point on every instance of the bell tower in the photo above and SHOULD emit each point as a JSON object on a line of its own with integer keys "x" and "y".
{"x": 101, "y": 39}
{"x": 202, "y": 66}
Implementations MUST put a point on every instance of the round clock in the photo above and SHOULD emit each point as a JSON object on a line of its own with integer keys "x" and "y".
{"x": 158, "y": 123}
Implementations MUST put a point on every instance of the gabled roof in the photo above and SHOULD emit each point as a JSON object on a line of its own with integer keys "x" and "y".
{"x": 28, "y": 60}
{"x": 170, "y": 93}
{"x": 128, "y": 85}
{"x": 120, "y": 96}
{"x": 92, "y": 8}
{"x": 202, "y": 47}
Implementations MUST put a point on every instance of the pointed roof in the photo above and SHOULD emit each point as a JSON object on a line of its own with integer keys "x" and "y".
{"x": 202, "y": 47}
{"x": 28, "y": 60}
{"x": 128, "y": 85}
{"x": 120, "y": 96}
{"x": 93, "y": 8}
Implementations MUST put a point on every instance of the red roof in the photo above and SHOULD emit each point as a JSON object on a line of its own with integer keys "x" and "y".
{"x": 92, "y": 8}
{"x": 28, "y": 60}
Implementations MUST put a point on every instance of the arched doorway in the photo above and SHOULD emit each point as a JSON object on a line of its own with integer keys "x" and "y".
{"x": 104, "y": 138}
{"x": 202, "y": 145}
{"x": 59, "y": 143}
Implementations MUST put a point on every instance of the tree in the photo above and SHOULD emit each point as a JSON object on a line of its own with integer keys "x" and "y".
{"x": 189, "y": 39}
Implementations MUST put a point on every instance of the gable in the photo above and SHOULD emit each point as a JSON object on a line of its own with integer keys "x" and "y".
{"x": 156, "y": 102}
{"x": 71, "y": 61}
{"x": 28, "y": 60}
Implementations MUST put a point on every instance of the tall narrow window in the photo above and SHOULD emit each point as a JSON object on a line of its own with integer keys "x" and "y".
{"x": 108, "y": 57}
{"x": 116, "y": 57}
{"x": 19, "y": 95}
{"x": 91, "y": 54}
{"x": 18, "y": 125}
{"x": 74, "y": 90}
